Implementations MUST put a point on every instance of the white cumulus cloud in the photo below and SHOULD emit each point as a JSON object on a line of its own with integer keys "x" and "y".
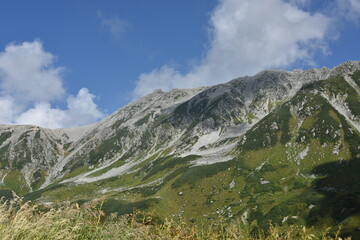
{"x": 30, "y": 81}
{"x": 81, "y": 110}
{"x": 8, "y": 110}
{"x": 42, "y": 114}
{"x": 247, "y": 36}
{"x": 27, "y": 73}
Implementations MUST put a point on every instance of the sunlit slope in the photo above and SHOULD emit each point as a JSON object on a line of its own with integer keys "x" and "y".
{"x": 280, "y": 146}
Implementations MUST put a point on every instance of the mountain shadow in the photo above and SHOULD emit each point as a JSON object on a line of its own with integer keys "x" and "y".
{"x": 339, "y": 183}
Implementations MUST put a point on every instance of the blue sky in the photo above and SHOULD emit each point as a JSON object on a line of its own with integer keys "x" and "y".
{"x": 72, "y": 62}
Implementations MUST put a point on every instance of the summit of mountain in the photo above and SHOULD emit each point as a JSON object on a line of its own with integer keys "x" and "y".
{"x": 280, "y": 145}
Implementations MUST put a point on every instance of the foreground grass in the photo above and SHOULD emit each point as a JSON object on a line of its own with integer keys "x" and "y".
{"x": 29, "y": 221}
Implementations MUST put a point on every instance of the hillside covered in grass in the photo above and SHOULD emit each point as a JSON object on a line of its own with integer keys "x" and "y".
{"x": 72, "y": 222}
{"x": 277, "y": 149}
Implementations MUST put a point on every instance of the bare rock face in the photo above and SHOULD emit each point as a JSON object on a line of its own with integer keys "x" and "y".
{"x": 209, "y": 122}
{"x": 280, "y": 146}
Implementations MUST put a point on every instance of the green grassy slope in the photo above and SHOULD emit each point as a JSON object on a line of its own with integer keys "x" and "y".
{"x": 298, "y": 165}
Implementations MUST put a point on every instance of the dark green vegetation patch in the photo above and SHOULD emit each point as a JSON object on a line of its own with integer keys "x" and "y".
{"x": 266, "y": 132}
{"x": 194, "y": 174}
{"x": 109, "y": 147}
{"x": 4, "y": 136}
{"x": 356, "y": 77}
{"x": 123, "y": 207}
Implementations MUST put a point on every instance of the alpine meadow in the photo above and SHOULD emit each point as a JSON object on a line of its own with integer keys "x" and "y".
{"x": 180, "y": 120}
{"x": 280, "y": 149}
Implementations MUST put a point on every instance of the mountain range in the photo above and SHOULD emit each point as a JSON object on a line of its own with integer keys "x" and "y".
{"x": 280, "y": 146}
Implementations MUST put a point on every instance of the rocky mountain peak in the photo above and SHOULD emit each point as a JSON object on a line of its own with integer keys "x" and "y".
{"x": 248, "y": 147}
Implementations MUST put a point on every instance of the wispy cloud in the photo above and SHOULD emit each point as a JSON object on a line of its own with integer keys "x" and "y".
{"x": 247, "y": 36}
{"x": 114, "y": 24}
{"x": 30, "y": 81}
{"x": 349, "y": 9}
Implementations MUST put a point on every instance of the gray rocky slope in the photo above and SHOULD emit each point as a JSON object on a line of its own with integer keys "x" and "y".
{"x": 207, "y": 122}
